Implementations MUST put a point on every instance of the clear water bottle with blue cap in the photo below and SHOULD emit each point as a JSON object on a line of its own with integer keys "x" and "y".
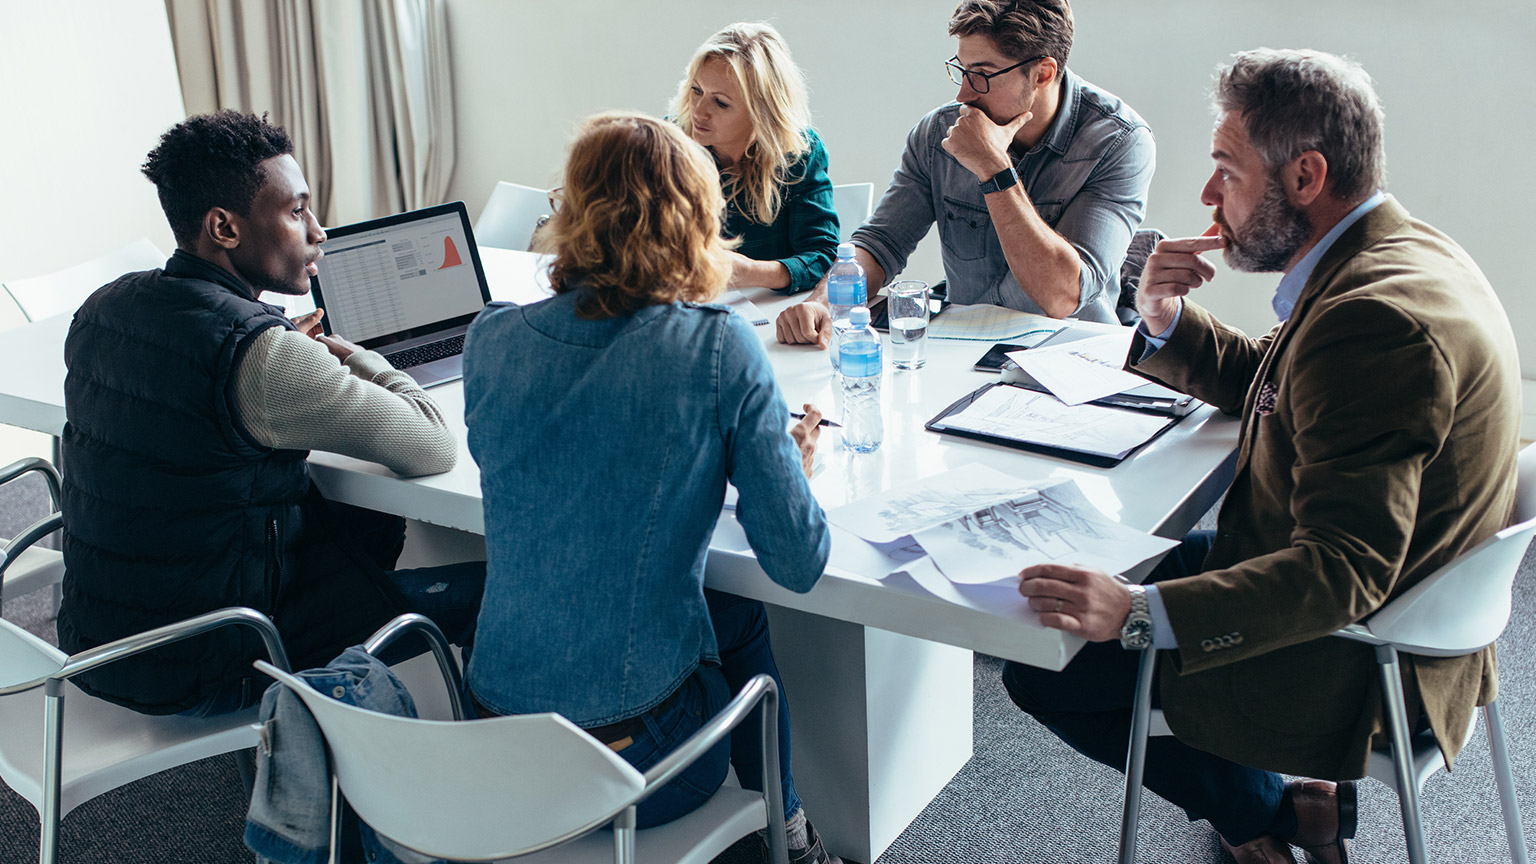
{"x": 859, "y": 370}
{"x": 846, "y": 288}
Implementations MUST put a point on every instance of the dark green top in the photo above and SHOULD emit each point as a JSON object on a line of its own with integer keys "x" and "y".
{"x": 804, "y": 236}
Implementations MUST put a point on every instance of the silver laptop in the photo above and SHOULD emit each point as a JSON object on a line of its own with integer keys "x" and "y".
{"x": 406, "y": 286}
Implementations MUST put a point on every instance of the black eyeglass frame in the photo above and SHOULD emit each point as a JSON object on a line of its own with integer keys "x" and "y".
{"x": 971, "y": 76}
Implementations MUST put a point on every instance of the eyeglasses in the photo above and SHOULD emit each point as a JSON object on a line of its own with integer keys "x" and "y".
{"x": 981, "y": 82}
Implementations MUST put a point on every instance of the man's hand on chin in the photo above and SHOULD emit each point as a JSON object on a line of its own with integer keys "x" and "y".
{"x": 1085, "y": 602}
{"x": 981, "y": 145}
{"x": 808, "y": 323}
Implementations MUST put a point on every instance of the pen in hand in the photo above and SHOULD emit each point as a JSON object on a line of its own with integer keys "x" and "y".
{"x": 824, "y": 421}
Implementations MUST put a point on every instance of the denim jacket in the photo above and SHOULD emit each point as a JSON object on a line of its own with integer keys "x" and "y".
{"x": 289, "y": 818}
{"x": 604, "y": 448}
{"x": 1088, "y": 179}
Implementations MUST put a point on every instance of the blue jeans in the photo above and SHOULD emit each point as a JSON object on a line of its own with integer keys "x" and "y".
{"x": 741, "y": 629}
{"x": 1088, "y": 705}
{"x": 449, "y": 595}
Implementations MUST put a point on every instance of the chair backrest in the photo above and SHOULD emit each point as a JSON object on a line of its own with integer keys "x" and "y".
{"x": 64, "y": 291}
{"x": 1525, "y": 485}
{"x": 472, "y": 790}
{"x": 1464, "y": 605}
{"x": 510, "y": 216}
{"x": 853, "y": 202}
{"x": 1142, "y": 244}
{"x": 25, "y": 657}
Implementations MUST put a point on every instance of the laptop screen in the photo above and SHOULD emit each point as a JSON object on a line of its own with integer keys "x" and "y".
{"x": 392, "y": 279}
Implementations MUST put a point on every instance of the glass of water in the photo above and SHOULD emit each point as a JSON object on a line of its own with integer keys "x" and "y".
{"x": 907, "y": 311}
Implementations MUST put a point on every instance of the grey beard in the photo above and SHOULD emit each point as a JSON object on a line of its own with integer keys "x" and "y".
{"x": 1275, "y": 231}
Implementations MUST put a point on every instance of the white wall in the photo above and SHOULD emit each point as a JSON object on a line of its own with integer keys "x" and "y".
{"x": 1456, "y": 80}
{"x": 89, "y": 86}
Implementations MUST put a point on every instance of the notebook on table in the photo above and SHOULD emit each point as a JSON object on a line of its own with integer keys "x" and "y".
{"x": 406, "y": 286}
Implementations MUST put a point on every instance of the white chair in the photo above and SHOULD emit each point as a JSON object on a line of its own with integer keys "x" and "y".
{"x": 24, "y": 566}
{"x": 1459, "y": 609}
{"x": 853, "y": 202}
{"x": 532, "y": 784}
{"x": 57, "y": 759}
{"x": 43, "y": 296}
{"x": 511, "y": 215}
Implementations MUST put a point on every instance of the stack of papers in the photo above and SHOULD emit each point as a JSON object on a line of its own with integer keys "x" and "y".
{"x": 980, "y": 526}
{"x": 1083, "y": 370}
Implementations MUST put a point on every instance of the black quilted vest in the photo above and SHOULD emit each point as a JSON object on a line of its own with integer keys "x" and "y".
{"x": 171, "y": 510}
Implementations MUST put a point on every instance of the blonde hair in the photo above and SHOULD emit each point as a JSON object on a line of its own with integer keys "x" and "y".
{"x": 773, "y": 90}
{"x": 639, "y": 218}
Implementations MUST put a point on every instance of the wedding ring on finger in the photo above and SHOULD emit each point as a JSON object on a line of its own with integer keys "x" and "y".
{"x": 1059, "y": 603}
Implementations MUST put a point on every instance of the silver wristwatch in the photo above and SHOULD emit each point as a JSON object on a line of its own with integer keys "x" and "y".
{"x": 1136, "y": 633}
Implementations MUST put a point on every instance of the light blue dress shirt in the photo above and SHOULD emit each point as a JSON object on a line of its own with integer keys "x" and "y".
{"x": 1286, "y": 294}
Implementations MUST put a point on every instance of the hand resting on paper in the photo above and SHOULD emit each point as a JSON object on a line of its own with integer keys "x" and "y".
{"x": 1082, "y": 601}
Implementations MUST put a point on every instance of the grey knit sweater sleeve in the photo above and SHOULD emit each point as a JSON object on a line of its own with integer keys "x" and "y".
{"x": 291, "y": 393}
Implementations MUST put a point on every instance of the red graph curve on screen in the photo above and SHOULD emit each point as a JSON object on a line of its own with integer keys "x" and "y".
{"x": 450, "y": 254}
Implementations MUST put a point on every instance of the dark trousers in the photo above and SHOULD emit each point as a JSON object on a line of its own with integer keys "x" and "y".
{"x": 741, "y": 631}
{"x": 1088, "y": 705}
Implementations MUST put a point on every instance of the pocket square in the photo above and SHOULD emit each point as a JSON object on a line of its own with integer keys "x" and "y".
{"x": 1265, "y": 404}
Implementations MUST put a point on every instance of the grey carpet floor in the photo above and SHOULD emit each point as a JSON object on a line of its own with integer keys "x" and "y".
{"x": 1023, "y": 797}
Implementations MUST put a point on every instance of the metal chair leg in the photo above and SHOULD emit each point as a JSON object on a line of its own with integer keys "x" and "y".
{"x": 1402, "y": 752}
{"x": 53, "y": 772}
{"x": 1135, "y": 760}
{"x": 624, "y": 837}
{"x": 1499, "y": 752}
{"x": 773, "y": 789}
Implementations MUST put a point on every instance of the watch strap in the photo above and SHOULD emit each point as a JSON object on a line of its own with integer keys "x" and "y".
{"x": 1003, "y": 179}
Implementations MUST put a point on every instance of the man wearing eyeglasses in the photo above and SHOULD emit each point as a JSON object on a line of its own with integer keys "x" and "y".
{"x": 1036, "y": 178}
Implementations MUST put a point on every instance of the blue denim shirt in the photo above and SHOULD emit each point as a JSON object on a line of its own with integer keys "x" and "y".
{"x": 1088, "y": 179}
{"x": 604, "y": 447}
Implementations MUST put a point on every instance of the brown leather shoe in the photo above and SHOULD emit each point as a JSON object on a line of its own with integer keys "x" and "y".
{"x": 1325, "y": 819}
{"x": 1263, "y": 849}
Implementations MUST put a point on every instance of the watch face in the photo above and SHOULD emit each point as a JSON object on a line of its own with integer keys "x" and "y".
{"x": 1137, "y": 633}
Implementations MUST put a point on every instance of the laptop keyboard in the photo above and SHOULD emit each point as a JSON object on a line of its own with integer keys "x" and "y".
{"x": 411, "y": 357}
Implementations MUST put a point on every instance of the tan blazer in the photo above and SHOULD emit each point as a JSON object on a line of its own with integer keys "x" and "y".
{"x": 1379, "y": 438}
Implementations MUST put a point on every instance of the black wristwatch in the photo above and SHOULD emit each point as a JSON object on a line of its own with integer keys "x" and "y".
{"x": 1003, "y": 179}
{"x": 1136, "y": 633}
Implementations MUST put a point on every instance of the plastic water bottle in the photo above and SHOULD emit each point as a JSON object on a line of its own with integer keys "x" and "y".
{"x": 859, "y": 371}
{"x": 846, "y": 289}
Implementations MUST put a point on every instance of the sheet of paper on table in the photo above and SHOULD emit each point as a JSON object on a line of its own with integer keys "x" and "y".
{"x": 1051, "y": 525}
{"x": 985, "y": 323}
{"x": 1040, "y": 418}
{"x": 744, "y": 307}
{"x": 1083, "y": 370}
{"x": 902, "y": 510}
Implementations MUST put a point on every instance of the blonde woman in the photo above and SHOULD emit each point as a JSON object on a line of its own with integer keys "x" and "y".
{"x": 604, "y": 473}
{"x": 744, "y": 99}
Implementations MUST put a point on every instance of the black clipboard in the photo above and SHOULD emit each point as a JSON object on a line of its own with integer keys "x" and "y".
{"x": 1097, "y": 460}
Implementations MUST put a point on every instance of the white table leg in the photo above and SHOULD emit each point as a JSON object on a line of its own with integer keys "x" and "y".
{"x": 880, "y": 723}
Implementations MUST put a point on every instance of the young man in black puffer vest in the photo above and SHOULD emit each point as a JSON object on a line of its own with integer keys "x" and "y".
{"x": 192, "y": 406}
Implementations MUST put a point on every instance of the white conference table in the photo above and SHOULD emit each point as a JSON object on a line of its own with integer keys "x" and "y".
{"x": 879, "y": 671}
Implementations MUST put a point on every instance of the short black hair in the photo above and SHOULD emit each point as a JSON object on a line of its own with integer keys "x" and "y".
{"x": 212, "y": 160}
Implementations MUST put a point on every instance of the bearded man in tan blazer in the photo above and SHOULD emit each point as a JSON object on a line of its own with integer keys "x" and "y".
{"x": 1380, "y": 425}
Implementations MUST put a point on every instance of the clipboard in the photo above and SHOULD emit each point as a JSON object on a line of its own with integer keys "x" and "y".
{"x": 1086, "y": 457}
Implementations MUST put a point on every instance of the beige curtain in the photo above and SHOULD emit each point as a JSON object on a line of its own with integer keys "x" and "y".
{"x": 363, "y": 86}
